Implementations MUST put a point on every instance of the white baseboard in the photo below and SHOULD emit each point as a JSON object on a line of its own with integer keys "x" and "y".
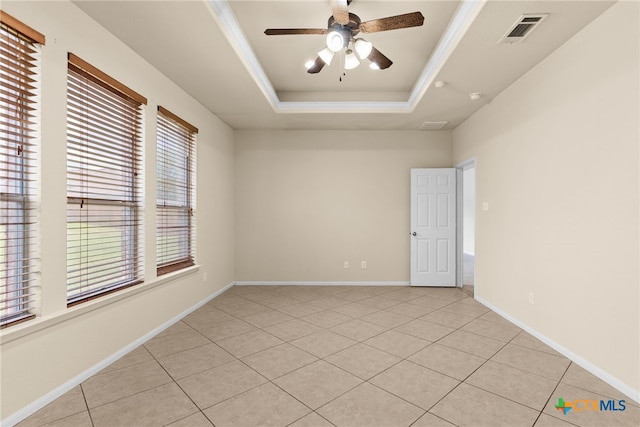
{"x": 33, "y": 407}
{"x": 294, "y": 283}
{"x": 598, "y": 372}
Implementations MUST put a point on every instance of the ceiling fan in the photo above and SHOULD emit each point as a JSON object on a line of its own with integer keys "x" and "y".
{"x": 341, "y": 31}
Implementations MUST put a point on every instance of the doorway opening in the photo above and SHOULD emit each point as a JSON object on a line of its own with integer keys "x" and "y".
{"x": 467, "y": 226}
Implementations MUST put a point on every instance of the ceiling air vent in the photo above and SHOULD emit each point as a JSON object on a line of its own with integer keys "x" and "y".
{"x": 523, "y": 27}
{"x": 433, "y": 125}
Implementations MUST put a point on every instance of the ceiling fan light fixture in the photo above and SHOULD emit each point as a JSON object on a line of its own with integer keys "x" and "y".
{"x": 335, "y": 41}
{"x": 363, "y": 48}
{"x": 309, "y": 64}
{"x": 326, "y": 55}
{"x": 350, "y": 60}
{"x": 374, "y": 66}
{"x": 339, "y": 34}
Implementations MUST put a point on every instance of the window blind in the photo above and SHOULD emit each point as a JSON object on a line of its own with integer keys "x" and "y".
{"x": 19, "y": 82}
{"x": 104, "y": 244}
{"x": 175, "y": 237}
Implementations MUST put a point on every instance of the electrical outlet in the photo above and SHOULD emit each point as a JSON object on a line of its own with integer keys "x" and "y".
{"x": 532, "y": 298}
{"x": 363, "y": 264}
{"x": 485, "y": 206}
{"x": 346, "y": 264}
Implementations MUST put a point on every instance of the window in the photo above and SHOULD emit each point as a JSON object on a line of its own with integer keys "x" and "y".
{"x": 104, "y": 247}
{"x": 19, "y": 80}
{"x": 174, "y": 209}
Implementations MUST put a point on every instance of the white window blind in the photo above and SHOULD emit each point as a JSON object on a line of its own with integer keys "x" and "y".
{"x": 175, "y": 186}
{"x": 104, "y": 245}
{"x": 19, "y": 81}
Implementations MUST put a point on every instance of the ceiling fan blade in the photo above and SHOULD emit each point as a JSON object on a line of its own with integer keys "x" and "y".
{"x": 413, "y": 19}
{"x": 378, "y": 58}
{"x": 316, "y": 67}
{"x": 340, "y": 11}
{"x": 290, "y": 31}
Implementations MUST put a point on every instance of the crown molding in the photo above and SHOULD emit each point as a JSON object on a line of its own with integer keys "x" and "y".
{"x": 462, "y": 20}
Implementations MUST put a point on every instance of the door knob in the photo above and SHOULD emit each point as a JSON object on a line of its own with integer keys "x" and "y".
{"x": 414, "y": 234}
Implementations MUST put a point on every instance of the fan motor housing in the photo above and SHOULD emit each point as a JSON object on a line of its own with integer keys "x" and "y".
{"x": 353, "y": 27}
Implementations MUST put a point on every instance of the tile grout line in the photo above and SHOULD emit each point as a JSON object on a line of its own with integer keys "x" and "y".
{"x": 237, "y": 301}
{"x": 387, "y": 330}
{"x": 495, "y": 394}
{"x": 402, "y": 359}
{"x": 84, "y": 397}
{"x": 460, "y": 381}
{"x": 338, "y": 367}
{"x": 325, "y": 329}
{"x": 424, "y": 367}
{"x": 289, "y": 343}
{"x": 362, "y": 342}
{"x": 263, "y": 376}
{"x": 178, "y": 385}
{"x": 552, "y": 392}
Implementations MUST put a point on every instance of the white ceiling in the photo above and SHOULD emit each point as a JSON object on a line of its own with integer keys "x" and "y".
{"x": 218, "y": 53}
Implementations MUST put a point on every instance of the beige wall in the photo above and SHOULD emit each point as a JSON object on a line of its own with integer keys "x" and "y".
{"x": 41, "y": 355}
{"x": 306, "y": 201}
{"x": 557, "y": 161}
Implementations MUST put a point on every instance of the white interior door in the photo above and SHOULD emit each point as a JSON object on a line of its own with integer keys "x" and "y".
{"x": 433, "y": 227}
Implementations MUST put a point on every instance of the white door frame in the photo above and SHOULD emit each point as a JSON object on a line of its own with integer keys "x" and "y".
{"x": 460, "y": 167}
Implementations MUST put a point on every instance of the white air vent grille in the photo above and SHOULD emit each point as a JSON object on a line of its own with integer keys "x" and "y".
{"x": 523, "y": 27}
{"x": 433, "y": 125}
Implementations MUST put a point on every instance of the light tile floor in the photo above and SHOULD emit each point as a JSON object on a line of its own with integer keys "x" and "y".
{"x": 338, "y": 356}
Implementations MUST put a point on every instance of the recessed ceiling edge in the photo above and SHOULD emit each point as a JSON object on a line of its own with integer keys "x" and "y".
{"x": 453, "y": 34}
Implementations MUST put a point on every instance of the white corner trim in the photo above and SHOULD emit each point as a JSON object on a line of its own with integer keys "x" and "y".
{"x": 30, "y": 409}
{"x": 228, "y": 23}
{"x": 307, "y": 283}
{"x": 466, "y": 164}
{"x": 595, "y": 370}
{"x": 466, "y": 14}
{"x": 462, "y": 19}
{"x": 343, "y": 107}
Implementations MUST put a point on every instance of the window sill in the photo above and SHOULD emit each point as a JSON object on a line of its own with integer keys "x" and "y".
{"x": 40, "y": 323}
